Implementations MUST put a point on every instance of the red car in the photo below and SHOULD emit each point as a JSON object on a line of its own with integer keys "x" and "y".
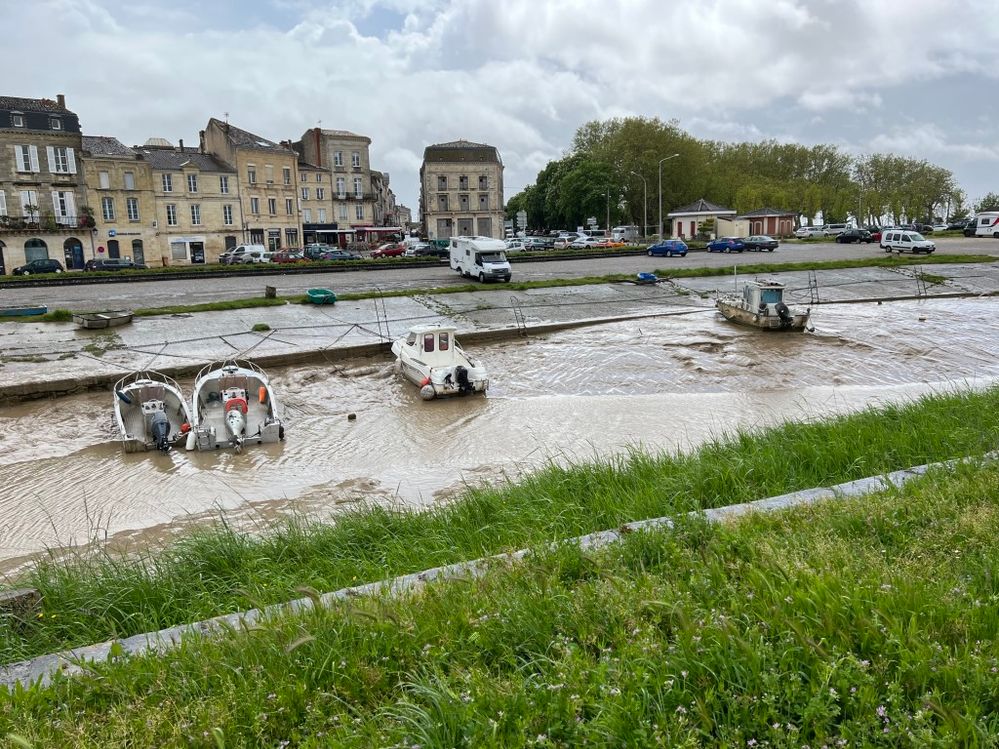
{"x": 392, "y": 249}
{"x": 287, "y": 256}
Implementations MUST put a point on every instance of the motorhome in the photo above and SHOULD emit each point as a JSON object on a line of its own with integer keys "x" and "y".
{"x": 625, "y": 233}
{"x": 480, "y": 257}
{"x": 987, "y": 224}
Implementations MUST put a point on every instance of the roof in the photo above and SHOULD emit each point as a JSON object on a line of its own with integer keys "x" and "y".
{"x": 305, "y": 166}
{"x": 245, "y": 139}
{"x": 30, "y": 105}
{"x": 461, "y": 150}
{"x": 764, "y": 212}
{"x": 700, "y": 206}
{"x": 175, "y": 159}
{"x": 345, "y": 134}
{"x": 105, "y": 145}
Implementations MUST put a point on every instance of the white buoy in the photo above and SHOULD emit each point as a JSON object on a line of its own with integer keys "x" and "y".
{"x": 191, "y": 440}
{"x": 427, "y": 392}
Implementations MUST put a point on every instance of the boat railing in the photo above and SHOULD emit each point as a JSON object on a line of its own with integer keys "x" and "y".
{"x": 146, "y": 374}
{"x": 223, "y": 363}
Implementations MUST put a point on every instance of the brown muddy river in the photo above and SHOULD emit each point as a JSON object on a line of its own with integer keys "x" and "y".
{"x": 661, "y": 383}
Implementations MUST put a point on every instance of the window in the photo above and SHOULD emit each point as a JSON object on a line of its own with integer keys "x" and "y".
{"x": 291, "y": 237}
{"x": 55, "y": 123}
{"x": 104, "y": 180}
{"x": 338, "y": 158}
{"x": 343, "y": 211}
{"x": 442, "y": 182}
{"x": 17, "y": 119}
{"x": 61, "y": 160}
{"x": 227, "y": 215}
{"x": 3, "y": 203}
{"x": 192, "y": 182}
{"x": 129, "y": 178}
{"x": 355, "y": 160}
{"x": 341, "y": 187}
{"x": 196, "y": 214}
{"x": 224, "y": 184}
{"x": 483, "y": 182}
{"x": 251, "y": 174}
{"x": 167, "y": 183}
{"x": 286, "y": 175}
{"x": 463, "y": 182}
{"x": 445, "y": 341}
{"x": 358, "y": 191}
{"x": 442, "y": 203}
{"x": 29, "y": 204}
{"x": 107, "y": 208}
{"x": 269, "y": 173}
{"x": 428, "y": 342}
{"x": 463, "y": 202}
{"x": 303, "y": 177}
{"x": 27, "y": 158}
{"x": 255, "y": 206}
{"x": 322, "y": 216}
{"x": 62, "y": 206}
{"x": 320, "y": 193}
{"x": 305, "y": 193}
{"x": 272, "y": 206}
{"x": 319, "y": 177}
{"x": 307, "y": 215}
{"x": 132, "y": 208}
{"x": 289, "y": 207}
{"x": 178, "y": 250}
{"x": 171, "y": 210}
{"x": 483, "y": 202}
{"x": 359, "y": 211}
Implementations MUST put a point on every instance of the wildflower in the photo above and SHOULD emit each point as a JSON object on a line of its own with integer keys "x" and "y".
{"x": 272, "y": 696}
{"x": 683, "y": 674}
{"x": 751, "y": 742}
{"x": 681, "y": 709}
{"x": 776, "y": 726}
{"x": 788, "y": 599}
{"x": 882, "y": 711}
{"x": 541, "y": 738}
{"x": 833, "y": 693}
{"x": 614, "y": 691}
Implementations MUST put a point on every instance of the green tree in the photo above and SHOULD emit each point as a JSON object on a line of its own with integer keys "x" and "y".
{"x": 990, "y": 202}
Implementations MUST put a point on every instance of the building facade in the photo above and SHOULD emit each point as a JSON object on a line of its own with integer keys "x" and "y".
{"x": 315, "y": 200}
{"x": 42, "y": 198}
{"x": 197, "y": 206}
{"x": 268, "y": 189}
{"x": 461, "y": 190}
{"x": 119, "y": 191}
{"x": 686, "y": 221}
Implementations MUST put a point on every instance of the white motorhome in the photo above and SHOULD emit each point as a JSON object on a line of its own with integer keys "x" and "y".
{"x": 480, "y": 257}
{"x": 987, "y": 224}
{"x": 625, "y": 233}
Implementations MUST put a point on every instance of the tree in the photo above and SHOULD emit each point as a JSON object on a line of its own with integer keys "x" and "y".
{"x": 988, "y": 203}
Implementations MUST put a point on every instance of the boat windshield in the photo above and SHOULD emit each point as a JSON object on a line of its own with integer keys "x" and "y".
{"x": 771, "y": 296}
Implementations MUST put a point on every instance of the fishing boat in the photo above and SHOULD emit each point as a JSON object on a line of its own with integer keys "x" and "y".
{"x": 233, "y": 404}
{"x": 102, "y": 320}
{"x": 321, "y": 296}
{"x": 22, "y": 311}
{"x": 762, "y": 306}
{"x": 150, "y": 412}
{"x": 431, "y": 358}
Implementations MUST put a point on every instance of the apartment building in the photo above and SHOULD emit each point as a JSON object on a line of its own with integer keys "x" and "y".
{"x": 315, "y": 200}
{"x": 268, "y": 186}
{"x": 346, "y": 157}
{"x": 461, "y": 190}
{"x": 42, "y": 196}
{"x": 118, "y": 184}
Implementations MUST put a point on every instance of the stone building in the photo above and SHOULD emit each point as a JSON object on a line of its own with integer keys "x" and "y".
{"x": 198, "y": 214}
{"x": 119, "y": 190}
{"x": 461, "y": 190}
{"x": 41, "y": 184}
{"x": 268, "y": 186}
{"x": 315, "y": 201}
{"x": 404, "y": 216}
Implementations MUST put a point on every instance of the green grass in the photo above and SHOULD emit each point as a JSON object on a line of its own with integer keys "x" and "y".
{"x": 98, "y": 595}
{"x": 869, "y": 622}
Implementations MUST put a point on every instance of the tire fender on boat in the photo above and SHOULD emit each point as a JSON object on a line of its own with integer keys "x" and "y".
{"x": 427, "y": 392}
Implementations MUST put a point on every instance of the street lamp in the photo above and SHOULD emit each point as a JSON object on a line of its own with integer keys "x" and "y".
{"x": 665, "y": 158}
{"x": 645, "y": 204}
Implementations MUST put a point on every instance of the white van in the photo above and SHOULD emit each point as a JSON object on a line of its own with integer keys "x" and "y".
{"x": 235, "y": 255}
{"x": 256, "y": 254}
{"x": 480, "y": 257}
{"x": 624, "y": 233}
{"x": 987, "y": 224}
{"x": 905, "y": 241}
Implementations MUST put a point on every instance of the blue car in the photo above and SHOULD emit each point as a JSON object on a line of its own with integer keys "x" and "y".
{"x": 668, "y": 248}
{"x": 726, "y": 244}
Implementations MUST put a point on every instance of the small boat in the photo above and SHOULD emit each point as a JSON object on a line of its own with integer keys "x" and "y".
{"x": 321, "y": 296}
{"x": 150, "y": 412}
{"x": 647, "y": 278}
{"x": 233, "y": 403}
{"x": 762, "y": 306}
{"x": 22, "y": 311}
{"x": 102, "y": 320}
{"x": 430, "y": 357}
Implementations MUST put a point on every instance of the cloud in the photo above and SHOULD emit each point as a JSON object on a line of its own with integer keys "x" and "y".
{"x": 521, "y": 74}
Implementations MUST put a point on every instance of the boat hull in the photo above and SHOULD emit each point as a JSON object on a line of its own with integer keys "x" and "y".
{"x": 737, "y": 314}
{"x": 440, "y": 381}
{"x": 222, "y": 389}
{"x": 22, "y": 311}
{"x": 102, "y": 320}
{"x": 141, "y": 399}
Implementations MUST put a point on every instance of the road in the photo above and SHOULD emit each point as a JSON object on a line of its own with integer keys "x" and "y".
{"x": 167, "y": 292}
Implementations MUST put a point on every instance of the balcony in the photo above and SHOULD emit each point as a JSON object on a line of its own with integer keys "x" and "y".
{"x": 47, "y": 224}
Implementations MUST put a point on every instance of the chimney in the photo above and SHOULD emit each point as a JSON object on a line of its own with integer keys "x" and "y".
{"x": 319, "y": 146}
{"x": 201, "y": 138}
{"x": 181, "y": 141}
{"x": 61, "y": 100}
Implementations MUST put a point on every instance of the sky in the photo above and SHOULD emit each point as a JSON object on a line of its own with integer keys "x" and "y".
{"x": 914, "y": 77}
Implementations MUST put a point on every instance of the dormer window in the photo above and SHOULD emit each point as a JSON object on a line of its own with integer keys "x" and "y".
{"x": 17, "y": 119}
{"x": 55, "y": 123}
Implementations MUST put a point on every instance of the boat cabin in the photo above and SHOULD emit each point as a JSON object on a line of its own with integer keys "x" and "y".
{"x": 762, "y": 295}
{"x": 434, "y": 345}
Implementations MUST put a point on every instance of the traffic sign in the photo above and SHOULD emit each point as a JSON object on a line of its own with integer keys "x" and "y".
{"x": 112, "y": 232}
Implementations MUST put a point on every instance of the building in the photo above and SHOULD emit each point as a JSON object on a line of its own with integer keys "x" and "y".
{"x": 42, "y": 198}
{"x": 316, "y": 204}
{"x": 386, "y": 213}
{"x": 198, "y": 214}
{"x": 687, "y": 220}
{"x": 119, "y": 189}
{"x": 267, "y": 176}
{"x": 404, "y": 216}
{"x": 461, "y": 190}
{"x": 770, "y": 221}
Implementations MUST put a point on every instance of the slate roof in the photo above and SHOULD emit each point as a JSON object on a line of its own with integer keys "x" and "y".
{"x": 700, "y": 206}
{"x": 764, "y": 212}
{"x": 461, "y": 150}
{"x": 305, "y": 166}
{"x": 175, "y": 159}
{"x": 30, "y": 105}
{"x": 245, "y": 139}
{"x": 105, "y": 145}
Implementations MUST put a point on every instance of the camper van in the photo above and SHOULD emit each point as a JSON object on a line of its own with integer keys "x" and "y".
{"x": 625, "y": 234}
{"x": 480, "y": 257}
{"x": 987, "y": 224}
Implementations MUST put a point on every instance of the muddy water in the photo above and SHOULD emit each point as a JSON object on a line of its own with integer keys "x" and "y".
{"x": 660, "y": 383}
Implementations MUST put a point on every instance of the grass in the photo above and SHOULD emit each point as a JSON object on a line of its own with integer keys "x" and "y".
{"x": 98, "y": 595}
{"x": 869, "y": 622}
{"x": 260, "y": 327}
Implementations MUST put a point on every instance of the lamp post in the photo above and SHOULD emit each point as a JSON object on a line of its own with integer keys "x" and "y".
{"x": 665, "y": 158}
{"x": 645, "y": 204}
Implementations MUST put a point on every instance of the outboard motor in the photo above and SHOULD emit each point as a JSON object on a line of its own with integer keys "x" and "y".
{"x": 783, "y": 313}
{"x": 159, "y": 427}
{"x": 461, "y": 377}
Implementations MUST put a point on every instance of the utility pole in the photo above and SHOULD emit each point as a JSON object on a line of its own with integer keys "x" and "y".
{"x": 665, "y": 158}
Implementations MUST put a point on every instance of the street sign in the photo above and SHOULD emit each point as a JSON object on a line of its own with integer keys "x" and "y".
{"x": 522, "y": 219}
{"x": 112, "y": 232}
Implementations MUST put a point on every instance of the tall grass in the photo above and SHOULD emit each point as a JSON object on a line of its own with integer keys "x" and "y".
{"x": 869, "y": 622}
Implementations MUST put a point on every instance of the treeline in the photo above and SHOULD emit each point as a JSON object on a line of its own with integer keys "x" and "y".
{"x": 614, "y": 165}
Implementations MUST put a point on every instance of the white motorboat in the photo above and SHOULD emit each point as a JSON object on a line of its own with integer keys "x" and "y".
{"x": 762, "y": 306}
{"x": 430, "y": 357}
{"x": 150, "y": 411}
{"x": 233, "y": 404}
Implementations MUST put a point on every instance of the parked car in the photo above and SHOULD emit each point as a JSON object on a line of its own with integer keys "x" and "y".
{"x": 957, "y": 224}
{"x": 431, "y": 250}
{"x": 970, "y": 228}
{"x": 809, "y": 232}
{"x": 668, "y": 248}
{"x": 288, "y": 256}
{"x": 235, "y": 255}
{"x": 585, "y": 243}
{"x": 940, "y": 227}
{"x": 760, "y": 242}
{"x": 855, "y": 235}
{"x": 901, "y": 241}
{"x": 726, "y": 244}
{"x": 38, "y": 266}
{"x": 833, "y": 230}
{"x": 315, "y": 250}
{"x": 538, "y": 243}
{"x": 112, "y": 263}
{"x": 254, "y": 255}
{"x": 390, "y": 249}
{"x": 562, "y": 242}
{"x": 515, "y": 245}
{"x": 340, "y": 255}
